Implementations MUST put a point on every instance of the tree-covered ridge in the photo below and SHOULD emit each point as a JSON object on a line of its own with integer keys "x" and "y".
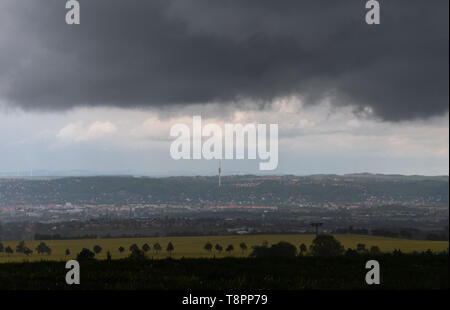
{"x": 345, "y": 272}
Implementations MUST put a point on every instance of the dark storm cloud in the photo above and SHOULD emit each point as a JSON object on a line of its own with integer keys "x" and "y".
{"x": 156, "y": 53}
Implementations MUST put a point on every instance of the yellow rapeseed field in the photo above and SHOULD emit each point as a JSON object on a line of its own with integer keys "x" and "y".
{"x": 194, "y": 246}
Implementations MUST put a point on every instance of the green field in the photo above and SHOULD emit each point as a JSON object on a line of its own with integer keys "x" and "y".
{"x": 192, "y": 247}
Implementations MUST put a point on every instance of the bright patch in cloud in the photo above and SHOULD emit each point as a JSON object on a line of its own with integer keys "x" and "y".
{"x": 77, "y": 132}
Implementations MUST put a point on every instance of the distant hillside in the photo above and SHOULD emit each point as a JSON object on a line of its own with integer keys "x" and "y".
{"x": 248, "y": 189}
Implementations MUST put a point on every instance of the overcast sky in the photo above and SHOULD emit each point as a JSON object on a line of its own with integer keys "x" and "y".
{"x": 101, "y": 96}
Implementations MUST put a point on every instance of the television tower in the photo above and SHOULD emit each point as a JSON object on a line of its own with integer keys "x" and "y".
{"x": 220, "y": 173}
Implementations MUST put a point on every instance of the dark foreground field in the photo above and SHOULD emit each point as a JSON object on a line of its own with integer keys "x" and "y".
{"x": 397, "y": 272}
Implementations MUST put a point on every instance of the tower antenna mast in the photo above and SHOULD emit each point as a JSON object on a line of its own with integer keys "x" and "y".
{"x": 220, "y": 172}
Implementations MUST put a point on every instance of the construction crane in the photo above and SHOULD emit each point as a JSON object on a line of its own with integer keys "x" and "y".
{"x": 316, "y": 226}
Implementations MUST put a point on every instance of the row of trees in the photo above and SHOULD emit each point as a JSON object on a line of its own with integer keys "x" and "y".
{"x": 209, "y": 247}
{"x": 322, "y": 245}
{"x": 136, "y": 252}
{"x": 42, "y": 248}
{"x": 146, "y": 248}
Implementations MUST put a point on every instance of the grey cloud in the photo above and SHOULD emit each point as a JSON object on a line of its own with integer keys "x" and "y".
{"x": 176, "y": 52}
